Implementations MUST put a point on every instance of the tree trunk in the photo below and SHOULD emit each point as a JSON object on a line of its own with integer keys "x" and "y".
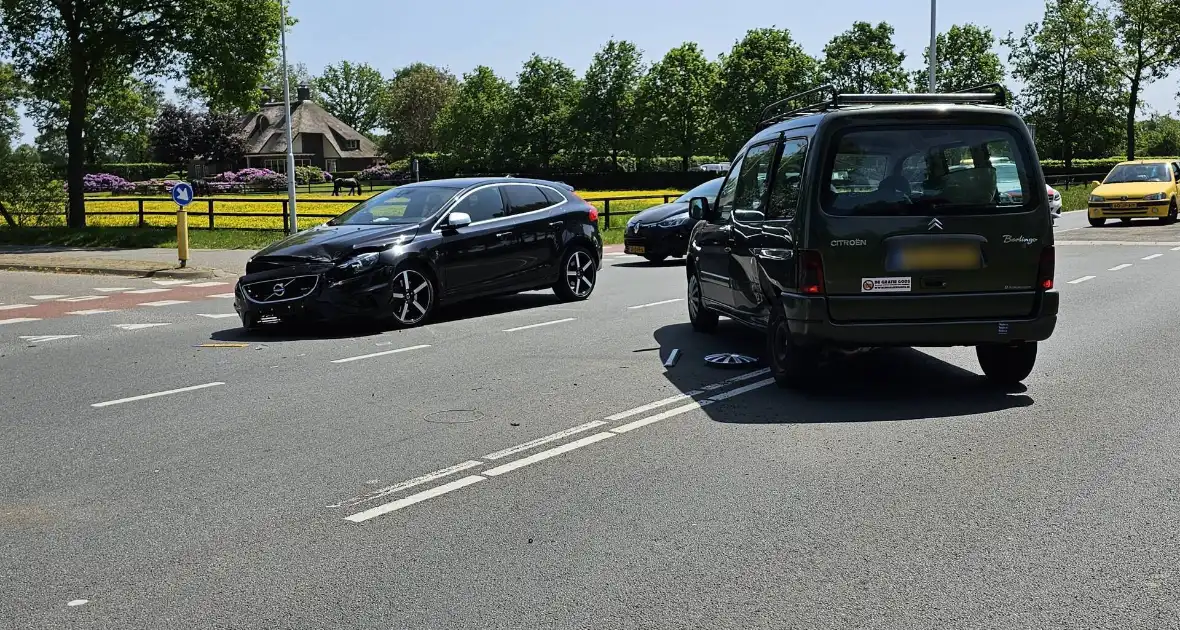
{"x": 76, "y": 149}
{"x": 1131, "y": 107}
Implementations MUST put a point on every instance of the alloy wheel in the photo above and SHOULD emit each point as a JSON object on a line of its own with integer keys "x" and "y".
{"x": 579, "y": 273}
{"x": 411, "y": 297}
{"x": 694, "y": 296}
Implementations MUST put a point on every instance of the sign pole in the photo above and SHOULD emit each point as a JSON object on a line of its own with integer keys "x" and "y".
{"x": 182, "y": 194}
{"x": 294, "y": 226}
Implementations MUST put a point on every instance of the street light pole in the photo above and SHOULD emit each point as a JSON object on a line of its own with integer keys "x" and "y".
{"x": 293, "y": 227}
{"x": 933, "y": 44}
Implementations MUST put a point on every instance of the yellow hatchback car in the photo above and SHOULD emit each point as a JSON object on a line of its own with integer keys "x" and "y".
{"x": 1143, "y": 189}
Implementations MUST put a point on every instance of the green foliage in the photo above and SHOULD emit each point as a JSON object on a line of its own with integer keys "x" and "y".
{"x": 352, "y": 93}
{"x": 473, "y": 125}
{"x": 415, "y": 97}
{"x": 9, "y": 92}
{"x": 966, "y": 58}
{"x": 1148, "y": 48}
{"x": 1071, "y": 91}
{"x": 309, "y": 175}
{"x": 606, "y": 112}
{"x": 546, "y": 93}
{"x": 1159, "y": 135}
{"x": 863, "y": 60}
{"x": 765, "y": 66}
{"x": 674, "y": 106}
{"x": 29, "y": 193}
{"x": 120, "y": 114}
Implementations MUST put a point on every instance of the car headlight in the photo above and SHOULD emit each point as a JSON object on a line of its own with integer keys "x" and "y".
{"x": 675, "y": 221}
{"x": 359, "y": 263}
{"x": 1156, "y": 197}
{"x": 1056, "y": 196}
{"x": 1097, "y": 199}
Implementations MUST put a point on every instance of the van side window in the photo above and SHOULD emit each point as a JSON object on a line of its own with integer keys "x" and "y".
{"x": 784, "y": 195}
{"x": 753, "y": 182}
{"x": 726, "y": 196}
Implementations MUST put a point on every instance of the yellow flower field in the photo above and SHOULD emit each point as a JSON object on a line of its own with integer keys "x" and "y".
{"x": 313, "y": 209}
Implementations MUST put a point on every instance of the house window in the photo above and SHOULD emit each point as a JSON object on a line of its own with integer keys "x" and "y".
{"x": 331, "y": 164}
{"x": 352, "y": 145}
{"x": 279, "y": 164}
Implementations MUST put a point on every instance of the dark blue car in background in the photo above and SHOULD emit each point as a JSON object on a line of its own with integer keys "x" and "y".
{"x": 662, "y": 231}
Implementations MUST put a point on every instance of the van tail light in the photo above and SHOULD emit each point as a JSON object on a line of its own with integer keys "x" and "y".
{"x": 811, "y": 272}
{"x": 1046, "y": 269}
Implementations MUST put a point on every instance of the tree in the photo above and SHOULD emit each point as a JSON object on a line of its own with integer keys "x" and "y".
{"x": 606, "y": 111}
{"x": 414, "y": 98}
{"x": 863, "y": 60}
{"x": 765, "y": 66}
{"x": 120, "y": 112}
{"x": 173, "y": 137}
{"x": 29, "y": 195}
{"x": 545, "y": 97}
{"x": 1148, "y": 49}
{"x": 297, "y": 75}
{"x": 217, "y": 138}
{"x": 674, "y": 104}
{"x": 1071, "y": 92}
{"x": 220, "y": 45}
{"x": 10, "y": 90}
{"x": 473, "y": 125}
{"x": 965, "y": 59}
{"x": 352, "y": 93}
{"x": 1158, "y": 135}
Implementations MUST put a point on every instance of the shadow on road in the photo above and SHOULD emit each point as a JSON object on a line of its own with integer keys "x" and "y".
{"x": 667, "y": 262}
{"x": 882, "y": 385}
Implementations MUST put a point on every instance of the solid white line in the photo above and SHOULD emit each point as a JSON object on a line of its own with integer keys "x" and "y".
{"x": 111, "y": 289}
{"x": 689, "y": 394}
{"x": 84, "y": 298}
{"x": 1082, "y": 279}
{"x": 410, "y": 483}
{"x": 139, "y": 326}
{"x": 544, "y": 455}
{"x": 13, "y": 307}
{"x": 741, "y": 390}
{"x": 202, "y": 285}
{"x": 380, "y": 354}
{"x": 642, "y": 422}
{"x": 40, "y": 338}
{"x": 46, "y": 297}
{"x": 221, "y": 295}
{"x": 18, "y": 320}
{"x": 91, "y": 311}
{"x": 556, "y": 321}
{"x": 164, "y": 303}
{"x": 1153, "y": 256}
{"x": 217, "y": 315}
{"x": 656, "y": 303}
{"x": 1117, "y": 267}
{"x": 1067, "y": 230}
{"x": 143, "y": 291}
{"x": 361, "y": 517}
{"x": 552, "y": 437}
{"x": 157, "y": 394}
{"x": 171, "y": 283}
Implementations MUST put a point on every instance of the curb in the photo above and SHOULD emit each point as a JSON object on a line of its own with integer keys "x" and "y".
{"x": 194, "y": 273}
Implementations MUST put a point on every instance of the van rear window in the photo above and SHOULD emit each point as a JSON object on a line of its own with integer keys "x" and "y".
{"x": 923, "y": 170}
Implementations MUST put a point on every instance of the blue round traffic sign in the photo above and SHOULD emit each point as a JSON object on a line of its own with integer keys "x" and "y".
{"x": 182, "y": 194}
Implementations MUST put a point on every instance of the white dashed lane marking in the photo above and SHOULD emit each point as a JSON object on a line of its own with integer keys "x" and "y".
{"x": 139, "y": 326}
{"x": 13, "y": 307}
{"x": 222, "y": 295}
{"x": 1151, "y": 257}
{"x": 1082, "y": 279}
{"x": 171, "y": 283}
{"x": 157, "y": 394}
{"x": 46, "y": 297}
{"x": 113, "y": 289}
{"x": 41, "y": 338}
{"x": 556, "y": 321}
{"x": 656, "y": 303}
{"x": 145, "y": 291}
{"x": 165, "y": 303}
{"x": 84, "y": 298}
{"x": 379, "y": 354}
{"x": 202, "y": 285}
{"x": 1118, "y": 267}
{"x": 92, "y": 311}
{"x": 217, "y": 315}
{"x": 19, "y": 320}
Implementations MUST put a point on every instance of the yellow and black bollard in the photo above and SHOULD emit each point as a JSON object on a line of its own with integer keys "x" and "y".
{"x": 182, "y": 234}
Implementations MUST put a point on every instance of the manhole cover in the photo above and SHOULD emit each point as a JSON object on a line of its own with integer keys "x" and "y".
{"x": 730, "y": 359}
{"x": 454, "y": 416}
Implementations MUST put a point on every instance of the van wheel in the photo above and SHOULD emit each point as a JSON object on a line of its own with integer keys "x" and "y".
{"x": 1125, "y": 221}
{"x": 793, "y": 366}
{"x": 701, "y": 318}
{"x": 652, "y": 258}
{"x": 1171, "y": 218}
{"x": 1007, "y": 364}
{"x": 1097, "y": 222}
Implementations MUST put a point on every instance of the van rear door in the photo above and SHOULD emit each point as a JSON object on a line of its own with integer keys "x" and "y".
{"x": 931, "y": 221}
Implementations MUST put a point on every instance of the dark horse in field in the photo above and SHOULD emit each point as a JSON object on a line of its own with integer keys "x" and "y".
{"x": 353, "y": 186}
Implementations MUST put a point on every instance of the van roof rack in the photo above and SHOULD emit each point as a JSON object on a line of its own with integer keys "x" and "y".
{"x": 991, "y": 94}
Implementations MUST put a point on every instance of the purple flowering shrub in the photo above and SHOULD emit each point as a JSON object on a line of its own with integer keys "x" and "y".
{"x": 105, "y": 182}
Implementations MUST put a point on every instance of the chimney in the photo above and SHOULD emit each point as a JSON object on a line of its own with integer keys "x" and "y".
{"x": 304, "y": 92}
{"x": 265, "y": 95}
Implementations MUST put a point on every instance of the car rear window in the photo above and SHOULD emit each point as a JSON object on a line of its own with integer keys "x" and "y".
{"x": 927, "y": 169}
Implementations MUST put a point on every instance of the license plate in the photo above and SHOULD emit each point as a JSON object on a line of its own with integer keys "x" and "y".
{"x": 1123, "y": 205}
{"x": 635, "y": 249}
{"x": 943, "y": 257}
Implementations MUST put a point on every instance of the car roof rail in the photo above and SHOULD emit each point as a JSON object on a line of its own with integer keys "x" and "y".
{"x": 771, "y": 114}
{"x": 950, "y": 98}
{"x": 996, "y": 88}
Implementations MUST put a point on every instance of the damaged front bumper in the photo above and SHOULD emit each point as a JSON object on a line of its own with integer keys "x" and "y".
{"x": 313, "y": 292}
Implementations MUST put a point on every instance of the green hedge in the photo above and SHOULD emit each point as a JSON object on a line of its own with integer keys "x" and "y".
{"x": 1103, "y": 165}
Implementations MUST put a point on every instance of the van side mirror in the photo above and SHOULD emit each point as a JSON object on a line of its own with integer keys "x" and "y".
{"x": 698, "y": 208}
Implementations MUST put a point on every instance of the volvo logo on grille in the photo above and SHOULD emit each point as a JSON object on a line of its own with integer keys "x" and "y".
{"x": 279, "y": 289}
{"x": 935, "y": 224}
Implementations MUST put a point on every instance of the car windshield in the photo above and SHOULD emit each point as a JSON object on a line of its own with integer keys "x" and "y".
{"x": 404, "y": 204}
{"x": 928, "y": 169}
{"x": 708, "y": 189}
{"x": 1127, "y": 173}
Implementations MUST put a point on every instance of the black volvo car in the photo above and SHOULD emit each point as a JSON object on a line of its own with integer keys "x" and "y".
{"x": 401, "y": 253}
{"x": 662, "y": 231}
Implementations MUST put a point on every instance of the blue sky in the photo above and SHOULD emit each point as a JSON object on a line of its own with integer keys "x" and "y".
{"x": 460, "y": 34}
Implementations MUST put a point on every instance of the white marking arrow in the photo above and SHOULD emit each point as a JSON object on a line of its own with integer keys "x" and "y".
{"x": 40, "y": 338}
{"x": 138, "y": 326}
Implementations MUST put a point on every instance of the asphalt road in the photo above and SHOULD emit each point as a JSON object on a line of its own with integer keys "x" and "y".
{"x": 528, "y": 464}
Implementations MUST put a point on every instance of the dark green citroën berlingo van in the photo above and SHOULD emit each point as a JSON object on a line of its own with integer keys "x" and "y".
{"x": 871, "y": 220}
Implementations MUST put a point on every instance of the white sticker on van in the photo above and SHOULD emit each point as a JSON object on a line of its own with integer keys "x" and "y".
{"x": 884, "y": 285}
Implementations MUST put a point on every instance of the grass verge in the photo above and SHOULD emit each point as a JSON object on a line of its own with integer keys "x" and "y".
{"x": 130, "y": 237}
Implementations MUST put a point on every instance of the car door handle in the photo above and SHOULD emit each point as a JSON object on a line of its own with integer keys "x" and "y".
{"x": 503, "y": 234}
{"x": 556, "y": 223}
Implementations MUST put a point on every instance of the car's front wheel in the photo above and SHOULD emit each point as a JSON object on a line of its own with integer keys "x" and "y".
{"x": 1007, "y": 364}
{"x": 579, "y": 275}
{"x": 1097, "y": 222}
{"x": 412, "y": 297}
{"x": 654, "y": 258}
{"x": 792, "y": 365}
{"x": 701, "y": 318}
{"x": 1171, "y": 218}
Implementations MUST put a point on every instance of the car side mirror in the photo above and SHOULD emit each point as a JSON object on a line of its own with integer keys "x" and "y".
{"x": 698, "y": 208}
{"x": 457, "y": 220}
{"x": 1095, "y": 184}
